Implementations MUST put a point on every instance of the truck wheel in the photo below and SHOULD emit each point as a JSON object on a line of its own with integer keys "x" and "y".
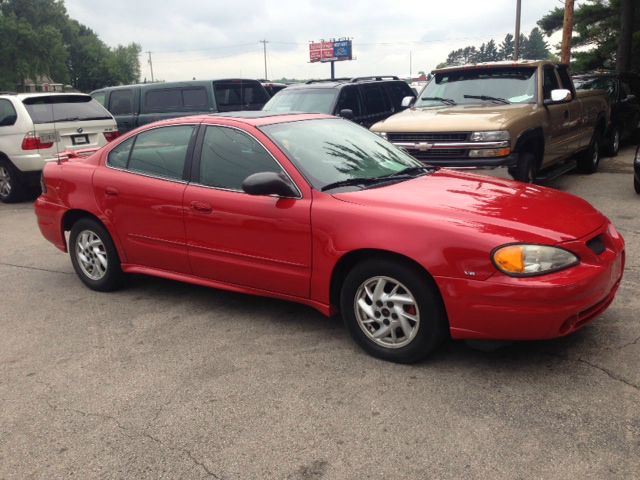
{"x": 636, "y": 184}
{"x": 11, "y": 188}
{"x": 589, "y": 160}
{"x": 613, "y": 145}
{"x": 525, "y": 170}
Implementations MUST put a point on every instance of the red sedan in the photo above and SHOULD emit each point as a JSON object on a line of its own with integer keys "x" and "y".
{"x": 318, "y": 210}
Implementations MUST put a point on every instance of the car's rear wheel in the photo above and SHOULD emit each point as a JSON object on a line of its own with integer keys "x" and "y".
{"x": 94, "y": 256}
{"x": 636, "y": 184}
{"x": 392, "y": 311}
{"x": 11, "y": 188}
{"x": 589, "y": 160}
{"x": 613, "y": 145}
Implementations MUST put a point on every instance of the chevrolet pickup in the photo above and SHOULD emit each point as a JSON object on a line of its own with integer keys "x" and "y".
{"x": 526, "y": 116}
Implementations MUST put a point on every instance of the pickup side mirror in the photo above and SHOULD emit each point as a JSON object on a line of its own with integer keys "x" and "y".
{"x": 407, "y": 101}
{"x": 559, "y": 95}
{"x": 629, "y": 98}
{"x": 269, "y": 183}
{"x": 347, "y": 114}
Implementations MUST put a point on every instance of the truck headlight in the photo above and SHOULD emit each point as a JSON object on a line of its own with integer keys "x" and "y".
{"x": 490, "y": 136}
{"x": 529, "y": 260}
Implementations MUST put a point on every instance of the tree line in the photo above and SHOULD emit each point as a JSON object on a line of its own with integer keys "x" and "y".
{"x": 40, "y": 39}
{"x": 533, "y": 47}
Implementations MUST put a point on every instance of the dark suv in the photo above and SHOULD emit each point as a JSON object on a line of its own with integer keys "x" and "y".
{"x": 365, "y": 100}
{"x": 135, "y": 105}
{"x": 623, "y": 90}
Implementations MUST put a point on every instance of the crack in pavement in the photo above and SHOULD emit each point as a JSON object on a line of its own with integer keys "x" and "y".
{"x": 634, "y": 342}
{"x": 606, "y": 371}
{"x": 34, "y": 268}
{"x": 125, "y": 432}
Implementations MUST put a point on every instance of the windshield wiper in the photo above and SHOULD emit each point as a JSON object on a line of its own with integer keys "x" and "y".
{"x": 410, "y": 171}
{"x": 352, "y": 181}
{"x": 404, "y": 174}
{"x": 488, "y": 98}
{"x": 448, "y": 101}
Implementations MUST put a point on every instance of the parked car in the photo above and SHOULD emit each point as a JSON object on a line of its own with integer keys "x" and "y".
{"x": 636, "y": 170}
{"x": 526, "y": 116}
{"x": 318, "y": 210}
{"x": 136, "y": 105}
{"x": 35, "y": 126}
{"x": 623, "y": 91}
{"x": 365, "y": 100}
{"x": 273, "y": 87}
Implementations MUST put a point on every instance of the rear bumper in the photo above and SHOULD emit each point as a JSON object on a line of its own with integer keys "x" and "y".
{"x": 49, "y": 217}
{"x": 534, "y": 308}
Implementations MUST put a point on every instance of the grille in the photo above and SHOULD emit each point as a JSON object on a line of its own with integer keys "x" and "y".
{"x": 444, "y": 153}
{"x": 428, "y": 137}
{"x": 596, "y": 245}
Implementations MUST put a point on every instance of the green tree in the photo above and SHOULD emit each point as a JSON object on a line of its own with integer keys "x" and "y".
{"x": 535, "y": 47}
{"x": 506, "y": 47}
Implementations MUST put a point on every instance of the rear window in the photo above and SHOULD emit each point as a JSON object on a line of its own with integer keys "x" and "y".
{"x": 176, "y": 99}
{"x": 239, "y": 95}
{"x": 64, "y": 108}
{"x": 308, "y": 100}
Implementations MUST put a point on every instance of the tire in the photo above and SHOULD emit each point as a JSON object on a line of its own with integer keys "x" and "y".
{"x": 636, "y": 184}
{"x": 525, "y": 170}
{"x": 613, "y": 144}
{"x": 11, "y": 187}
{"x": 413, "y": 328}
{"x": 589, "y": 160}
{"x": 99, "y": 266}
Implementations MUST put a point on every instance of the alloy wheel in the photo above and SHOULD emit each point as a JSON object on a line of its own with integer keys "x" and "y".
{"x": 387, "y": 312}
{"x": 5, "y": 182}
{"x": 91, "y": 255}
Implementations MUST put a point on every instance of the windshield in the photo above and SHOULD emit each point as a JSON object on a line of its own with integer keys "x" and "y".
{"x": 308, "y": 100}
{"x": 485, "y": 85}
{"x": 332, "y": 150}
{"x": 64, "y": 108}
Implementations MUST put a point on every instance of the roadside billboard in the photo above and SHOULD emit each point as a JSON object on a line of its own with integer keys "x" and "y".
{"x": 330, "y": 51}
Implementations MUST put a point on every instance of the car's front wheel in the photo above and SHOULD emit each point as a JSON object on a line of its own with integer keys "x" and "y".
{"x": 94, "y": 256}
{"x": 613, "y": 144}
{"x": 393, "y": 311}
{"x": 636, "y": 184}
{"x": 11, "y": 189}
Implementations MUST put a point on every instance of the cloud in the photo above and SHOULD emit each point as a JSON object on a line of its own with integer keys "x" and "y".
{"x": 209, "y": 39}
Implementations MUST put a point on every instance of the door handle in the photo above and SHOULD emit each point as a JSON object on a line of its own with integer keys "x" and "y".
{"x": 111, "y": 191}
{"x": 201, "y": 207}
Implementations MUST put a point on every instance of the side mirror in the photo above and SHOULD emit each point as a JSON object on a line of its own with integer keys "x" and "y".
{"x": 269, "y": 183}
{"x": 559, "y": 95}
{"x": 347, "y": 114}
{"x": 629, "y": 98}
{"x": 407, "y": 102}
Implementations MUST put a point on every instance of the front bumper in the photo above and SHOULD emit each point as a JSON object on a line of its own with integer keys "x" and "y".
{"x": 535, "y": 308}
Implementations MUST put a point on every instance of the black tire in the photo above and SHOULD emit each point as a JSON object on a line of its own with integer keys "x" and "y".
{"x": 11, "y": 187}
{"x": 636, "y": 185}
{"x": 426, "y": 334}
{"x": 613, "y": 142}
{"x": 589, "y": 160}
{"x": 526, "y": 169}
{"x": 104, "y": 281}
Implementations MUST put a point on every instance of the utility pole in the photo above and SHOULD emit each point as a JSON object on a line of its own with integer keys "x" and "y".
{"x": 516, "y": 46}
{"x": 264, "y": 46}
{"x": 567, "y": 30}
{"x": 150, "y": 66}
{"x": 410, "y": 66}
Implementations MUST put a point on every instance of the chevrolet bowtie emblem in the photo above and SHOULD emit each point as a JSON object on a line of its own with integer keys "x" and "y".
{"x": 423, "y": 146}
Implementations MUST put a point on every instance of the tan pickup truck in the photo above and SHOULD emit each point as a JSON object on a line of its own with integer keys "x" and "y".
{"x": 522, "y": 115}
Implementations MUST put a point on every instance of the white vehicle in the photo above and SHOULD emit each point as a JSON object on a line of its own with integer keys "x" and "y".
{"x": 35, "y": 127}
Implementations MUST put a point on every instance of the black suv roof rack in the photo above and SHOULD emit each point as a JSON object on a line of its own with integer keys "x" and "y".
{"x": 375, "y": 77}
{"x": 320, "y": 80}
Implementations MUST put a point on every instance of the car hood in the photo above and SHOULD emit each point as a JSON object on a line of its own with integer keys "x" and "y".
{"x": 511, "y": 210}
{"x": 459, "y": 118}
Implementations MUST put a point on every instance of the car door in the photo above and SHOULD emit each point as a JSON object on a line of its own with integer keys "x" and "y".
{"x": 349, "y": 100}
{"x": 377, "y": 106}
{"x": 140, "y": 191}
{"x": 557, "y": 136}
{"x": 580, "y": 123}
{"x": 261, "y": 242}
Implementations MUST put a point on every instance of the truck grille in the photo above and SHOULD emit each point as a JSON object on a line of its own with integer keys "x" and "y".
{"x": 445, "y": 153}
{"x": 428, "y": 137}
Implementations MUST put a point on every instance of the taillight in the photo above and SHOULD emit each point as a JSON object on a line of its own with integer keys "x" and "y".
{"x": 31, "y": 141}
{"x": 110, "y": 136}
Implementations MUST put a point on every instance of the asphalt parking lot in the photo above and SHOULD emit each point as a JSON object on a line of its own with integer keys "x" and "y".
{"x": 166, "y": 380}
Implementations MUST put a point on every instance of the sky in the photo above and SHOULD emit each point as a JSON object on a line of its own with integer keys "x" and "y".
{"x": 207, "y": 39}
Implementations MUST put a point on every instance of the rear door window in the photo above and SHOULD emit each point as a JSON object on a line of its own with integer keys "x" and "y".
{"x": 374, "y": 99}
{"x": 64, "y": 108}
{"x": 239, "y": 95}
{"x": 8, "y": 114}
{"x": 119, "y": 156}
{"x": 163, "y": 100}
{"x": 161, "y": 152}
{"x": 121, "y": 102}
{"x": 195, "y": 99}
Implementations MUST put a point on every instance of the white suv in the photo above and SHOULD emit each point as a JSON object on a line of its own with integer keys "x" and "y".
{"x": 35, "y": 127}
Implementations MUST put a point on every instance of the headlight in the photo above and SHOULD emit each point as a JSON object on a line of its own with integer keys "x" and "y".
{"x": 382, "y": 134}
{"x": 529, "y": 260}
{"x": 491, "y": 136}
